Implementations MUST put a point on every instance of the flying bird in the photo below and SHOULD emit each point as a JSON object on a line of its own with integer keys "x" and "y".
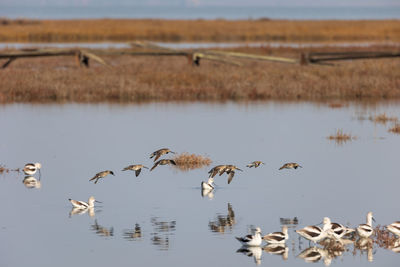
{"x": 163, "y": 162}
{"x": 101, "y": 175}
{"x": 157, "y": 154}
{"x": 137, "y": 168}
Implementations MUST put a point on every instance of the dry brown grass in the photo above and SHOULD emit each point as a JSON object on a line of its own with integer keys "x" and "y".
{"x": 95, "y": 30}
{"x": 3, "y": 170}
{"x": 383, "y": 118}
{"x": 384, "y": 238}
{"x": 186, "y": 161}
{"x": 136, "y": 79}
{"x": 395, "y": 129}
{"x": 340, "y": 137}
{"x": 336, "y": 105}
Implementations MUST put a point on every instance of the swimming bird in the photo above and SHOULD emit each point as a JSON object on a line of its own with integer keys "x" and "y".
{"x": 291, "y": 165}
{"x": 251, "y": 240}
{"x": 315, "y": 233}
{"x": 394, "y": 228}
{"x": 32, "y": 168}
{"x": 255, "y": 164}
{"x": 157, "y": 154}
{"x": 101, "y": 175}
{"x": 163, "y": 162}
{"x": 230, "y": 170}
{"x": 137, "y": 168}
{"x": 82, "y": 204}
{"x": 366, "y": 230}
{"x": 277, "y": 237}
{"x": 216, "y": 170}
{"x": 209, "y": 185}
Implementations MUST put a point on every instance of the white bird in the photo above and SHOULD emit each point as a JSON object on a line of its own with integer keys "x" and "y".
{"x": 277, "y": 237}
{"x": 32, "y": 168}
{"x": 82, "y": 204}
{"x": 209, "y": 185}
{"x": 337, "y": 230}
{"x": 366, "y": 230}
{"x": 394, "y": 228}
{"x": 251, "y": 240}
{"x": 315, "y": 233}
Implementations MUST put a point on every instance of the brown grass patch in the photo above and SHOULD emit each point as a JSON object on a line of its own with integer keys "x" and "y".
{"x": 384, "y": 238}
{"x": 383, "y": 118}
{"x": 186, "y": 161}
{"x": 336, "y": 105}
{"x": 340, "y": 137}
{"x": 94, "y": 30}
{"x": 3, "y": 170}
{"x": 395, "y": 129}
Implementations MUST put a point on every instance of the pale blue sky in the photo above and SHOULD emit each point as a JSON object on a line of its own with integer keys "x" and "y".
{"x": 202, "y": 2}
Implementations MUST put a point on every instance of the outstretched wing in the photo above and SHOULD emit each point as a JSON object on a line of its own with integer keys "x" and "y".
{"x": 155, "y": 165}
{"x": 230, "y": 177}
{"x": 172, "y": 162}
{"x": 137, "y": 172}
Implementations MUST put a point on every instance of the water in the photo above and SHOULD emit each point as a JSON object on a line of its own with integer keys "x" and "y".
{"x": 201, "y": 12}
{"x": 161, "y": 218}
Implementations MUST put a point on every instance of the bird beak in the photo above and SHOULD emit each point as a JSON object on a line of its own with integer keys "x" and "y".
{"x": 373, "y": 219}
{"x": 98, "y": 201}
{"x": 239, "y": 170}
{"x": 40, "y": 174}
{"x": 173, "y": 152}
{"x": 300, "y": 166}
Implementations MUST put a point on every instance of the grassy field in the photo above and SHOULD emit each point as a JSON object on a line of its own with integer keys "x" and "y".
{"x": 198, "y": 30}
{"x": 140, "y": 79}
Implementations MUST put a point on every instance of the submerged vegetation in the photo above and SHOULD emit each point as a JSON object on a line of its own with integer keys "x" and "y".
{"x": 395, "y": 128}
{"x": 383, "y": 118}
{"x": 172, "y": 78}
{"x": 219, "y": 30}
{"x": 186, "y": 161}
{"x": 340, "y": 137}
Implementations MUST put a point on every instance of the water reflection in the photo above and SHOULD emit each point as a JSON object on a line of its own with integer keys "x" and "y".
{"x": 133, "y": 234}
{"x": 102, "y": 231}
{"x": 365, "y": 244}
{"x": 289, "y": 222}
{"x": 223, "y": 222}
{"x": 78, "y": 211}
{"x": 207, "y": 193}
{"x": 162, "y": 232}
{"x": 31, "y": 182}
{"x": 255, "y": 252}
{"x": 277, "y": 249}
{"x": 315, "y": 254}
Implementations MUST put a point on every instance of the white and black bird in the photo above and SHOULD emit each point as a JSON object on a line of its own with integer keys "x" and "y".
{"x": 251, "y": 240}
{"x": 32, "y": 168}
{"x": 82, "y": 204}
{"x": 277, "y": 237}
{"x": 366, "y": 230}
{"x": 394, "y": 228}
{"x": 315, "y": 233}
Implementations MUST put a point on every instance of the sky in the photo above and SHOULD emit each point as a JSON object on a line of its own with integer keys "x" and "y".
{"x": 200, "y": 2}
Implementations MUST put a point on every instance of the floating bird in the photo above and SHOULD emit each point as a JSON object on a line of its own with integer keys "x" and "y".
{"x": 101, "y": 175}
{"x": 291, "y": 165}
{"x": 215, "y": 170}
{"x": 31, "y": 182}
{"x": 32, "y": 168}
{"x": 82, "y": 204}
{"x": 277, "y": 237}
{"x": 394, "y": 228}
{"x": 315, "y": 233}
{"x": 255, "y": 164}
{"x": 339, "y": 230}
{"x": 251, "y": 240}
{"x": 366, "y": 230}
{"x": 230, "y": 170}
{"x": 137, "y": 168}
{"x": 209, "y": 185}
{"x": 157, "y": 154}
{"x": 163, "y": 162}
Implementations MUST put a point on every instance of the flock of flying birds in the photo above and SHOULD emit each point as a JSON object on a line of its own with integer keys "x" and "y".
{"x": 314, "y": 233}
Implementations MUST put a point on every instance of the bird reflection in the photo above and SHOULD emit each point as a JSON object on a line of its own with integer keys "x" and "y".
{"x": 255, "y": 252}
{"x": 134, "y": 234}
{"x": 162, "y": 232}
{"x": 365, "y": 244}
{"x": 396, "y": 246}
{"x": 207, "y": 193}
{"x": 223, "y": 222}
{"x": 31, "y": 182}
{"x": 78, "y": 211}
{"x": 289, "y": 222}
{"x": 102, "y": 231}
{"x": 277, "y": 249}
{"x": 315, "y": 254}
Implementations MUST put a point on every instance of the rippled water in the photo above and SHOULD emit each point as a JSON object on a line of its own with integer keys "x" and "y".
{"x": 161, "y": 217}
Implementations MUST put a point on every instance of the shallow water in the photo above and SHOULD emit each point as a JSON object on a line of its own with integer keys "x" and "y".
{"x": 161, "y": 218}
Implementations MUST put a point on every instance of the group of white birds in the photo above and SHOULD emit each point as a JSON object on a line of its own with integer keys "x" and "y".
{"x": 332, "y": 230}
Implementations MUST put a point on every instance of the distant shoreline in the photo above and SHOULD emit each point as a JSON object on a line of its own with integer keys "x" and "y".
{"x": 218, "y": 30}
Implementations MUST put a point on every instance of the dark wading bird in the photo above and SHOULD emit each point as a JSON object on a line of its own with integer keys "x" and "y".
{"x": 157, "y": 154}
{"x": 255, "y": 164}
{"x": 291, "y": 165}
{"x": 230, "y": 170}
{"x": 137, "y": 168}
{"x": 101, "y": 175}
{"x": 163, "y": 162}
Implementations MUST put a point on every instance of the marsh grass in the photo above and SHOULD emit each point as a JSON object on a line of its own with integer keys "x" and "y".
{"x": 3, "y": 170}
{"x": 395, "y": 128}
{"x": 384, "y": 238}
{"x": 340, "y": 137}
{"x": 218, "y": 30}
{"x": 383, "y": 118}
{"x": 186, "y": 161}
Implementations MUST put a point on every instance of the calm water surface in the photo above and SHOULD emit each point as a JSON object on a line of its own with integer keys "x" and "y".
{"x": 161, "y": 217}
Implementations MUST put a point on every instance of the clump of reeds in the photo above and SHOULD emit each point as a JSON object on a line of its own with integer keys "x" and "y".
{"x": 383, "y": 118}
{"x": 340, "y": 137}
{"x": 186, "y": 161}
{"x": 336, "y": 105}
{"x": 395, "y": 129}
{"x": 7, "y": 170}
{"x": 384, "y": 238}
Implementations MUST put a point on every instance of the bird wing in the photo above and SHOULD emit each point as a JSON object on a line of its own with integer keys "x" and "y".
{"x": 158, "y": 155}
{"x": 94, "y": 177}
{"x": 127, "y": 168}
{"x": 172, "y": 162}
{"x": 230, "y": 177}
{"x": 284, "y": 166}
{"x": 155, "y": 165}
{"x": 137, "y": 172}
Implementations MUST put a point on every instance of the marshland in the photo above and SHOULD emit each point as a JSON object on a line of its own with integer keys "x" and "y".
{"x": 339, "y": 121}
